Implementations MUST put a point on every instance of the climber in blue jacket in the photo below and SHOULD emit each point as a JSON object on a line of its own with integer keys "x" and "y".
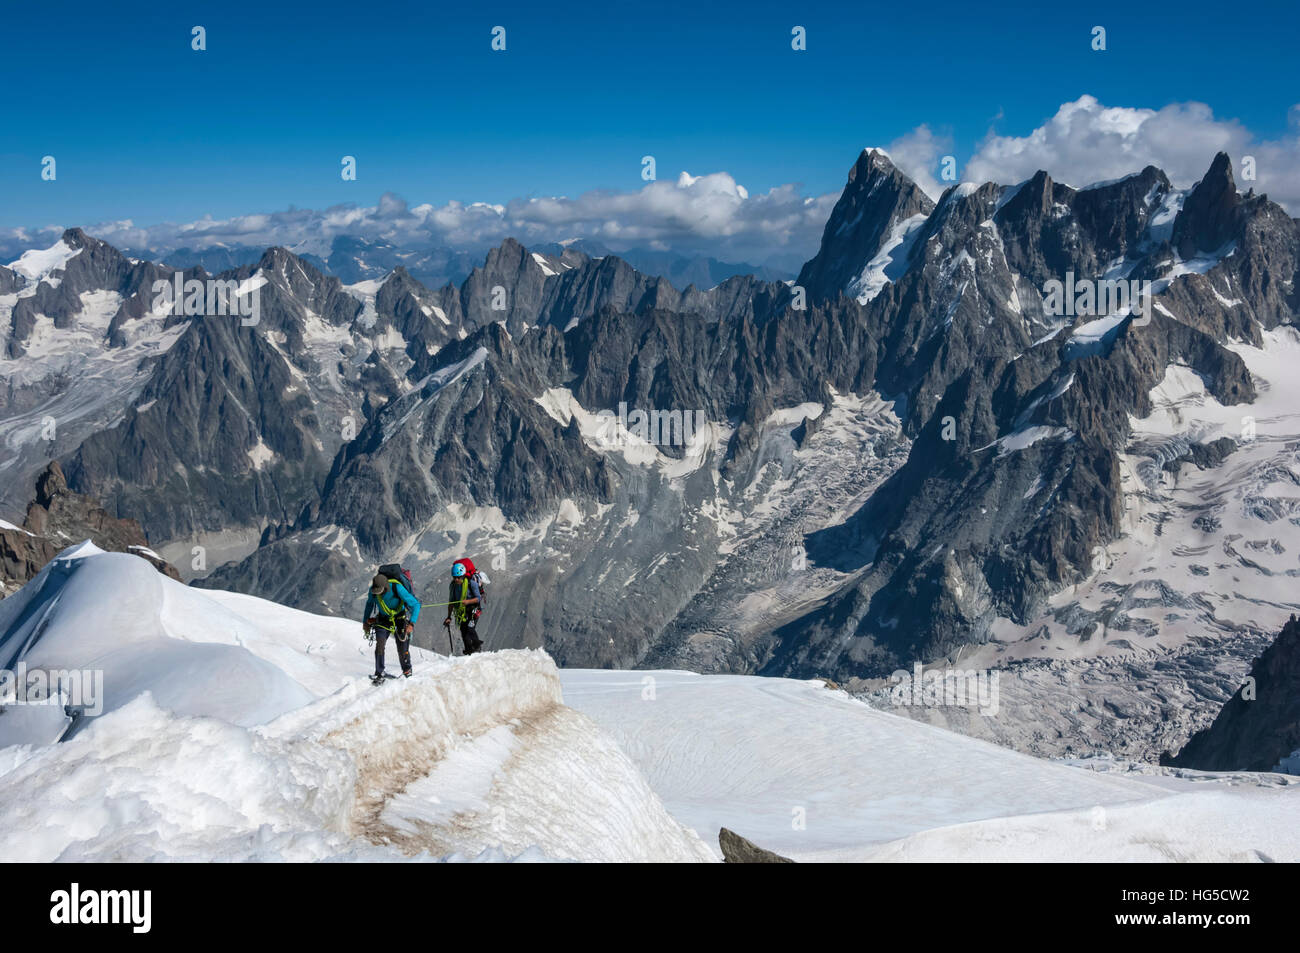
{"x": 390, "y": 610}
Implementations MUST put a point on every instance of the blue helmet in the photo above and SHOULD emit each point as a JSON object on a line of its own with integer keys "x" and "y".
{"x": 458, "y": 569}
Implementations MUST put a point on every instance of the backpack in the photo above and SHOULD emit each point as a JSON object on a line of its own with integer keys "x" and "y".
{"x": 483, "y": 582}
{"x": 395, "y": 573}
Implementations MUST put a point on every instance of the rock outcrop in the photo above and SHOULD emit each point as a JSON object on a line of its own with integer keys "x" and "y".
{"x": 1260, "y": 725}
{"x": 58, "y": 518}
{"x": 739, "y": 850}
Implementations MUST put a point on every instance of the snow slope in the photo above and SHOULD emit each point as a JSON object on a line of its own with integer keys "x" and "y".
{"x": 816, "y": 775}
{"x": 235, "y": 729}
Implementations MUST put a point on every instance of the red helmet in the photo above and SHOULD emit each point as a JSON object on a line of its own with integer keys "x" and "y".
{"x": 467, "y": 563}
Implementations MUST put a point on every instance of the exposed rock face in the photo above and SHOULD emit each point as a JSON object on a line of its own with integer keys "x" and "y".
{"x": 1205, "y": 456}
{"x": 293, "y": 572}
{"x": 266, "y": 408}
{"x": 249, "y": 449}
{"x": 1000, "y": 405}
{"x": 738, "y": 850}
{"x": 1212, "y": 216}
{"x": 1260, "y": 725}
{"x": 22, "y": 556}
{"x": 57, "y": 512}
{"x": 58, "y": 518}
{"x": 876, "y": 199}
{"x": 482, "y": 439}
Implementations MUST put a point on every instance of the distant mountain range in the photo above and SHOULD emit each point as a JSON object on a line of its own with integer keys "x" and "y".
{"x": 353, "y": 259}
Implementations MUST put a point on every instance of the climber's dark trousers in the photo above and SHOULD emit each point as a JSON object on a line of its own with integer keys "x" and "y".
{"x": 403, "y": 651}
{"x": 469, "y": 635}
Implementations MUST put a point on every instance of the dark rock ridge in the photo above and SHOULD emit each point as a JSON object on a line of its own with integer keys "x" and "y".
{"x": 58, "y": 518}
{"x": 238, "y": 426}
{"x": 95, "y": 266}
{"x": 1260, "y": 724}
{"x": 234, "y": 427}
{"x": 1204, "y": 456}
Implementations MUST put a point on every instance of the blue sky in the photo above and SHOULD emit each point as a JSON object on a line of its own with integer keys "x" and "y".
{"x": 145, "y": 128}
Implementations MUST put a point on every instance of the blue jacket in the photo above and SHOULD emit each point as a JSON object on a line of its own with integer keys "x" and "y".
{"x": 395, "y": 598}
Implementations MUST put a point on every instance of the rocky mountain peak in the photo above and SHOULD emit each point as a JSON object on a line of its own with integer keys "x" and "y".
{"x": 59, "y": 512}
{"x": 872, "y": 162}
{"x": 876, "y": 199}
{"x": 1210, "y": 216}
{"x": 76, "y": 238}
{"x": 1032, "y": 199}
{"x": 277, "y": 258}
{"x": 508, "y": 255}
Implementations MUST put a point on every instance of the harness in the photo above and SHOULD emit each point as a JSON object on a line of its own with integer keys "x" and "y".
{"x": 462, "y": 611}
{"x": 392, "y": 614}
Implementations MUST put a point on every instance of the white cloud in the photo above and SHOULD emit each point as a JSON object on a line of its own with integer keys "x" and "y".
{"x": 708, "y": 214}
{"x": 1088, "y": 142}
{"x": 918, "y": 154}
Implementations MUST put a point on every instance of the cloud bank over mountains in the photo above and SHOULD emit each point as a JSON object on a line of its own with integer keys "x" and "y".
{"x": 1087, "y": 141}
{"x": 715, "y": 215}
{"x": 707, "y": 214}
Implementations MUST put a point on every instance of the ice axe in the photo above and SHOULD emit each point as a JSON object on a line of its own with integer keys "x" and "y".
{"x": 450, "y": 648}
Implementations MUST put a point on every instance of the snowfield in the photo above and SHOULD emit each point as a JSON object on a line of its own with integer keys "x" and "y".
{"x": 817, "y": 775}
{"x": 236, "y": 729}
